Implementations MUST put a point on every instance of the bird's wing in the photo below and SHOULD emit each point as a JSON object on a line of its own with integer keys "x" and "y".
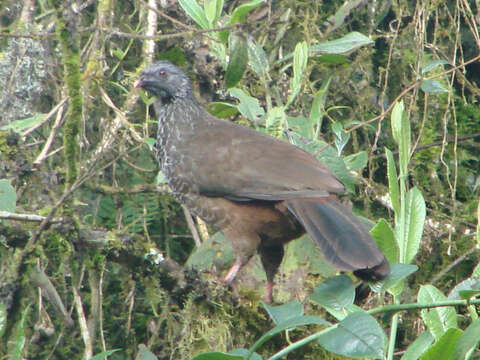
{"x": 240, "y": 163}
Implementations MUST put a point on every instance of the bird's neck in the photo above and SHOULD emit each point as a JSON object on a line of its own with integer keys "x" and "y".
{"x": 182, "y": 114}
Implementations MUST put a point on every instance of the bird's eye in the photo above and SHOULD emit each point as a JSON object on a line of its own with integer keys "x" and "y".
{"x": 162, "y": 73}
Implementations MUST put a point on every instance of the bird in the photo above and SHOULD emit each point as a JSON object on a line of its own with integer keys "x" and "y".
{"x": 260, "y": 191}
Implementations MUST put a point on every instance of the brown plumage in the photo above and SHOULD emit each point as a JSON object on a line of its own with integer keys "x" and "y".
{"x": 262, "y": 192}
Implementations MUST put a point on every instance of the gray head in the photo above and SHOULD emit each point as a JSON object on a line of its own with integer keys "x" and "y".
{"x": 165, "y": 80}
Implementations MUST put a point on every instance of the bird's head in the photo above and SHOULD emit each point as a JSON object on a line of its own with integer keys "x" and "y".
{"x": 164, "y": 80}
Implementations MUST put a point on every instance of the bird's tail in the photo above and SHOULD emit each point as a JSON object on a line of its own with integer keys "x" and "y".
{"x": 343, "y": 239}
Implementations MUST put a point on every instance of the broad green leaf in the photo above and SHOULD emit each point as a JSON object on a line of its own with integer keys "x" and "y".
{"x": 358, "y": 335}
{"x": 213, "y": 10}
{"x": 284, "y": 312}
{"x": 222, "y": 110}
{"x": 438, "y": 320}
{"x": 244, "y": 353}
{"x": 331, "y": 59}
{"x": 384, "y": 236}
{"x": 398, "y": 272}
{"x": 195, "y": 11}
{"x": 432, "y": 86}
{"x": 289, "y": 324}
{"x": 415, "y": 213}
{"x": 216, "y": 355}
{"x": 468, "y": 340}
{"x": 418, "y": 347}
{"x": 275, "y": 121}
{"x": 393, "y": 182}
{"x": 3, "y": 319}
{"x": 337, "y": 293}
{"x": 8, "y": 196}
{"x": 300, "y": 125}
{"x": 238, "y": 60}
{"x": 349, "y": 42}
{"x": 432, "y": 65}
{"x": 258, "y": 59}
{"x": 466, "y": 289}
{"x": 444, "y": 347}
{"x": 104, "y": 354}
{"x": 248, "y": 106}
{"x": 356, "y": 162}
{"x": 476, "y": 271}
{"x": 241, "y": 11}
{"x": 24, "y": 124}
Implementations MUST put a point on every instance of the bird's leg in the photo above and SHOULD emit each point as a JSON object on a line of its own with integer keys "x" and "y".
{"x": 271, "y": 257}
{"x": 268, "y": 298}
{"x": 232, "y": 272}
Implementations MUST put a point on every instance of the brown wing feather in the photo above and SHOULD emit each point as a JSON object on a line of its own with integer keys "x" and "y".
{"x": 241, "y": 164}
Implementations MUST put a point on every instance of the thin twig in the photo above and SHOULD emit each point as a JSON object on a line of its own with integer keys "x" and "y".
{"x": 191, "y": 226}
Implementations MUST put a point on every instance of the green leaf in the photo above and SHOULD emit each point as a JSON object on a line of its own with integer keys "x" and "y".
{"x": 468, "y": 340}
{"x": 104, "y": 354}
{"x": 438, "y": 320}
{"x": 282, "y": 313}
{"x": 21, "y": 125}
{"x": 418, "y": 347}
{"x": 300, "y": 59}
{"x": 195, "y": 11}
{"x": 478, "y": 227}
{"x": 222, "y": 110}
{"x": 384, "y": 236}
{"x": 144, "y": 353}
{"x": 238, "y": 60}
{"x": 3, "y": 319}
{"x": 331, "y": 59}
{"x": 150, "y": 143}
{"x": 216, "y": 355}
{"x": 444, "y": 347}
{"x": 301, "y": 126}
{"x": 432, "y": 86}
{"x": 8, "y": 196}
{"x": 349, "y": 42}
{"x": 433, "y": 64}
{"x": 248, "y": 106}
{"x": 336, "y": 293}
{"x": 19, "y": 341}
{"x": 244, "y": 353}
{"x": 241, "y": 11}
{"x": 356, "y": 162}
{"x": 318, "y": 105}
{"x": 341, "y": 137}
{"x": 393, "y": 182}
{"x": 275, "y": 121}
{"x": 401, "y": 134}
{"x": 258, "y": 59}
{"x": 415, "y": 213}
{"x": 161, "y": 179}
{"x": 213, "y": 10}
{"x": 465, "y": 289}
{"x": 398, "y": 272}
{"x": 358, "y": 335}
{"x": 289, "y": 324}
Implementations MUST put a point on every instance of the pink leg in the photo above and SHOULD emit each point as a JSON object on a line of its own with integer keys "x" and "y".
{"x": 232, "y": 272}
{"x": 268, "y": 298}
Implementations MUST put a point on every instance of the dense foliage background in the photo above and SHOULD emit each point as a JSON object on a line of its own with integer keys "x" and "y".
{"x": 92, "y": 246}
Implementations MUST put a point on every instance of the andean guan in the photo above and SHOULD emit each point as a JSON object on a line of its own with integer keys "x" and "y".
{"x": 260, "y": 191}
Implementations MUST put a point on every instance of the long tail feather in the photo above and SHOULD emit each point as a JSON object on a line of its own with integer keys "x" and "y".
{"x": 343, "y": 239}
